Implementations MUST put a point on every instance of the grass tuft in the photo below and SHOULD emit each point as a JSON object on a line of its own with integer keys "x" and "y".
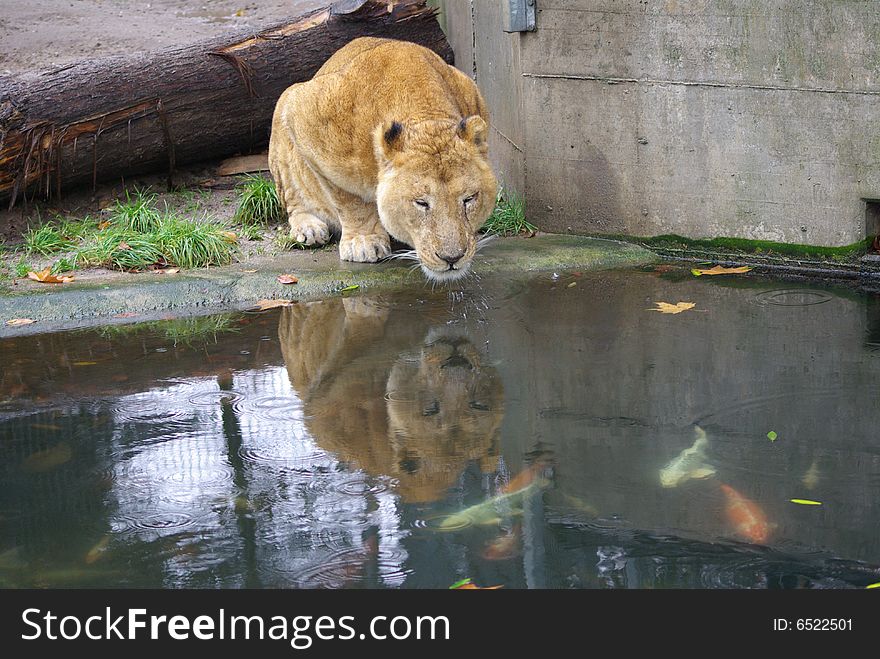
{"x": 120, "y": 249}
{"x": 509, "y": 216}
{"x": 191, "y": 244}
{"x": 258, "y": 203}
{"x": 137, "y": 213}
{"x": 46, "y": 240}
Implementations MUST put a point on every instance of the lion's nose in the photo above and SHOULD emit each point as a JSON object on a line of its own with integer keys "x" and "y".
{"x": 451, "y": 259}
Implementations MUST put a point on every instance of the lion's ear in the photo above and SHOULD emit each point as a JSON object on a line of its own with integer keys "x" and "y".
{"x": 388, "y": 140}
{"x": 474, "y": 129}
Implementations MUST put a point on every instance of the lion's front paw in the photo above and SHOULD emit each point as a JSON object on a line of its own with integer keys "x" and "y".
{"x": 364, "y": 249}
{"x": 309, "y": 230}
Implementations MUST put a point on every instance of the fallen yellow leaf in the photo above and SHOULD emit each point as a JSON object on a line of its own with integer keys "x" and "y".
{"x": 263, "y": 305}
{"x": 720, "y": 270}
{"x": 666, "y": 307}
{"x": 45, "y": 276}
{"x": 168, "y": 271}
{"x": 250, "y": 272}
{"x": 16, "y": 322}
{"x": 229, "y": 236}
{"x": 103, "y": 225}
{"x": 286, "y": 279}
{"x": 123, "y": 246}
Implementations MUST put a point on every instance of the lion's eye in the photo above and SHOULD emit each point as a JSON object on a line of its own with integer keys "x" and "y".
{"x": 472, "y": 198}
{"x": 421, "y": 203}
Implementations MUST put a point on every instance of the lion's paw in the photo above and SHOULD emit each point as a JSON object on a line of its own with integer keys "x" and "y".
{"x": 309, "y": 230}
{"x": 364, "y": 249}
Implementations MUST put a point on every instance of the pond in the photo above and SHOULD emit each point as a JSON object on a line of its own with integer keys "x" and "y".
{"x": 553, "y": 432}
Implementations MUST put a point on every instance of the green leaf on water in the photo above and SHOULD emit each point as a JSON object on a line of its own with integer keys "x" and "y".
{"x": 807, "y": 502}
{"x": 772, "y": 435}
{"x": 463, "y": 582}
{"x": 346, "y": 289}
{"x": 873, "y": 585}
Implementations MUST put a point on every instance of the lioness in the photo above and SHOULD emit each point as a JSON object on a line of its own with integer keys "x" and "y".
{"x": 386, "y": 139}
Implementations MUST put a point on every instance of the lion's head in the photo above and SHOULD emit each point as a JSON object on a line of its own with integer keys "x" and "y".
{"x": 436, "y": 188}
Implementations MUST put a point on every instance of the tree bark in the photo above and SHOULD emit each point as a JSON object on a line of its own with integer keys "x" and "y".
{"x": 128, "y": 115}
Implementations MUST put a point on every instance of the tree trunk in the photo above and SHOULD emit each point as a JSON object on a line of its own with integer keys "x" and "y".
{"x": 124, "y": 115}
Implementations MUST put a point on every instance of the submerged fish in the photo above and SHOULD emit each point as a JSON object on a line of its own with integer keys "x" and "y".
{"x": 490, "y": 511}
{"x": 505, "y": 546}
{"x": 690, "y": 463}
{"x": 811, "y": 477}
{"x": 746, "y": 517}
{"x": 48, "y": 459}
{"x": 97, "y": 551}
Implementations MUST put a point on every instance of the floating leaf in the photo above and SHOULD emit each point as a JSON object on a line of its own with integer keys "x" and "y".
{"x": 84, "y": 363}
{"x": 46, "y": 277}
{"x": 263, "y": 305}
{"x": 772, "y": 435}
{"x": 720, "y": 270}
{"x": 17, "y": 322}
{"x": 353, "y": 287}
{"x": 286, "y": 279}
{"x": 807, "y": 502}
{"x": 873, "y": 585}
{"x": 467, "y": 584}
{"x": 666, "y": 307}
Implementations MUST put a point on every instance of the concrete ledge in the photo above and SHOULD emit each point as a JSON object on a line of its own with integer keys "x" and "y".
{"x": 102, "y": 299}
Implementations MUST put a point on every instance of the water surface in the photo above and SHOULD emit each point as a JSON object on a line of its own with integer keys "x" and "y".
{"x": 332, "y": 444}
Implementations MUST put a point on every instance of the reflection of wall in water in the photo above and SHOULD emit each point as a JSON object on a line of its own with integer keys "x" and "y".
{"x": 615, "y": 390}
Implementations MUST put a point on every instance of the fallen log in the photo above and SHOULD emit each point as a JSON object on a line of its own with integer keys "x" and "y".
{"x": 127, "y": 115}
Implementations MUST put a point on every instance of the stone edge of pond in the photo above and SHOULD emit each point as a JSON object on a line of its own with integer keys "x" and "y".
{"x": 131, "y": 298}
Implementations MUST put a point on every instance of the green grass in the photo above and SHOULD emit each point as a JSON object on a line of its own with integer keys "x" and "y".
{"x": 258, "y": 203}
{"x": 509, "y": 216}
{"x": 251, "y": 232}
{"x": 191, "y": 244}
{"x": 22, "y": 267}
{"x": 120, "y": 249}
{"x": 46, "y": 240}
{"x": 137, "y": 213}
{"x": 285, "y": 241}
{"x": 64, "y": 264}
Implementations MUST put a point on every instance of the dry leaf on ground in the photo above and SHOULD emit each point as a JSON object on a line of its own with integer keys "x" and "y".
{"x": 286, "y": 279}
{"x": 229, "y": 236}
{"x": 167, "y": 271}
{"x": 666, "y": 307}
{"x": 17, "y": 322}
{"x": 45, "y": 276}
{"x": 720, "y": 270}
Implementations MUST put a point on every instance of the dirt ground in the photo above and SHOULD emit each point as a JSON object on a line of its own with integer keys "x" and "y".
{"x": 37, "y": 35}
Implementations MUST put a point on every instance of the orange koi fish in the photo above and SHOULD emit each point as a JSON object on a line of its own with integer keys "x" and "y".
{"x": 524, "y": 478}
{"x": 747, "y": 518}
{"x": 505, "y": 546}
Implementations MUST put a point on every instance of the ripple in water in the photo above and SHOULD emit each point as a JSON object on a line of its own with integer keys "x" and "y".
{"x": 794, "y": 297}
{"x": 312, "y": 462}
{"x": 347, "y": 567}
{"x": 214, "y": 398}
{"x": 275, "y": 408}
{"x": 164, "y": 521}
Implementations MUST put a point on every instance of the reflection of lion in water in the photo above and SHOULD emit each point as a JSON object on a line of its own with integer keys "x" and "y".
{"x": 391, "y": 396}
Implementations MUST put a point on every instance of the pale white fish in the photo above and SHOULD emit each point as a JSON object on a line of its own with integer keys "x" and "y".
{"x": 689, "y": 464}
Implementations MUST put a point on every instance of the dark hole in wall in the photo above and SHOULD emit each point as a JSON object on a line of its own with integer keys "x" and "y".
{"x": 872, "y": 223}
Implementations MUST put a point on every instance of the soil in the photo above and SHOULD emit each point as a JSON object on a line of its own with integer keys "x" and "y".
{"x": 40, "y": 35}
{"x": 46, "y": 34}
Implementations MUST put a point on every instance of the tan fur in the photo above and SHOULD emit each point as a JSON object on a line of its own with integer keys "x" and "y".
{"x": 383, "y": 125}
{"x": 391, "y": 395}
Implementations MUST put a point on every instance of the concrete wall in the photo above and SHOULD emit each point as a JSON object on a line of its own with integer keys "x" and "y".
{"x": 750, "y": 118}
